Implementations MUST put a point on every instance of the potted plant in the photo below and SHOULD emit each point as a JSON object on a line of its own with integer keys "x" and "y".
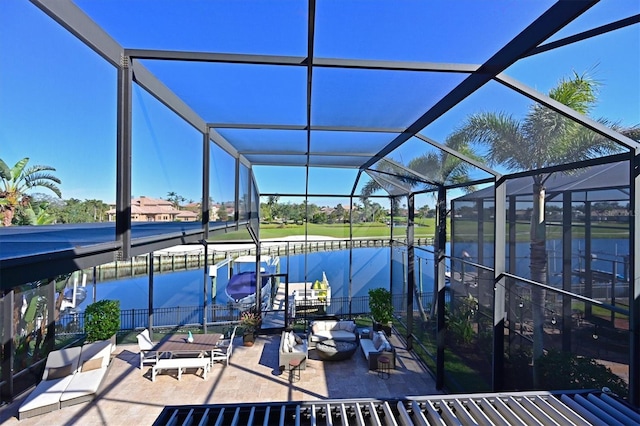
{"x": 381, "y": 307}
{"x": 102, "y": 320}
{"x": 249, "y": 321}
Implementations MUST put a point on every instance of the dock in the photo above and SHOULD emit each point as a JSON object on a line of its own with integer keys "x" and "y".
{"x": 302, "y": 297}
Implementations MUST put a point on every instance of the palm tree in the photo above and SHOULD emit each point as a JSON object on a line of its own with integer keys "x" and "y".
{"x": 542, "y": 138}
{"x": 17, "y": 180}
{"x": 437, "y": 166}
{"x": 272, "y": 204}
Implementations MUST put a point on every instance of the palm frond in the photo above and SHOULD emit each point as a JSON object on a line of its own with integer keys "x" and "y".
{"x": 5, "y": 171}
{"x": 18, "y": 168}
{"x": 45, "y": 184}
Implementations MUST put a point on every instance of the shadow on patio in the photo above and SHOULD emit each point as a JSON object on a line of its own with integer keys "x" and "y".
{"x": 253, "y": 376}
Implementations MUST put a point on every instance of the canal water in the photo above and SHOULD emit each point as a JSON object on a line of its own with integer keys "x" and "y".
{"x": 371, "y": 268}
{"x": 186, "y": 288}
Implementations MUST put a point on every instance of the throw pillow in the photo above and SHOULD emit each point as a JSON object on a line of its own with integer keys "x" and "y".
{"x": 285, "y": 345}
{"x": 292, "y": 339}
{"x": 54, "y": 373}
{"x": 315, "y": 327}
{"x": 377, "y": 342}
{"x": 298, "y": 339}
{"x": 92, "y": 364}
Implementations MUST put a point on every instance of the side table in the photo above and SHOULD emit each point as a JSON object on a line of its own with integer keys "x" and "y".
{"x": 383, "y": 367}
{"x": 294, "y": 370}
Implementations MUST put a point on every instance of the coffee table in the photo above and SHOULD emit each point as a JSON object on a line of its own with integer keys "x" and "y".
{"x": 335, "y": 350}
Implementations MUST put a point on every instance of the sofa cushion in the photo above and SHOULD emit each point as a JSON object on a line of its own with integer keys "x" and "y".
{"x": 381, "y": 342}
{"x": 324, "y": 325}
{"x": 335, "y": 335}
{"x": 367, "y": 347}
{"x": 349, "y": 326}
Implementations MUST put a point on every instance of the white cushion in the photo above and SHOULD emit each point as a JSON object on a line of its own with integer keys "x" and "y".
{"x": 84, "y": 383}
{"x": 46, "y": 393}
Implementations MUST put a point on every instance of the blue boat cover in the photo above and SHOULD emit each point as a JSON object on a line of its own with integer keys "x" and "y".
{"x": 243, "y": 284}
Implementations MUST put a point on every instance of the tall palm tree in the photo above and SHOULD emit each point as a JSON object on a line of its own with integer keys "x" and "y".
{"x": 19, "y": 179}
{"x": 542, "y": 138}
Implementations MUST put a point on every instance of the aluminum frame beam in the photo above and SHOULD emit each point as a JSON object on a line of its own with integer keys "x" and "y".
{"x": 459, "y": 155}
{"x": 283, "y": 60}
{"x": 162, "y": 93}
{"x": 555, "y": 18}
{"x": 264, "y": 126}
{"x": 585, "y": 35}
{"x": 78, "y": 23}
{"x": 564, "y": 110}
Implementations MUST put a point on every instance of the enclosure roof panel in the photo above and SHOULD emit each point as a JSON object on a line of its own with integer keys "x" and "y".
{"x": 390, "y": 68}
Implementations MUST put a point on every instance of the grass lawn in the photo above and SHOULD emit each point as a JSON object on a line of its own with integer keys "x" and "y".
{"x": 425, "y": 229}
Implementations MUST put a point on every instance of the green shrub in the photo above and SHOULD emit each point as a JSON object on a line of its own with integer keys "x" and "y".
{"x": 563, "y": 370}
{"x": 381, "y": 305}
{"x": 102, "y": 320}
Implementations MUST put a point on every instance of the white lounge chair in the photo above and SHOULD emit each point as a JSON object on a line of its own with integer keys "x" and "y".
{"x": 92, "y": 370}
{"x": 223, "y": 352}
{"x": 59, "y": 371}
{"x": 147, "y": 356}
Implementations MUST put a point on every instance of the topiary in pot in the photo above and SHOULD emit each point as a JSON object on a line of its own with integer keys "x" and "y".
{"x": 102, "y": 320}
{"x": 381, "y": 307}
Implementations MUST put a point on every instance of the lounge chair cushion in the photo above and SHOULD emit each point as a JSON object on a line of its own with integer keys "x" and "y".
{"x": 46, "y": 396}
{"x": 56, "y": 373}
{"x": 92, "y": 364}
{"x": 85, "y": 383}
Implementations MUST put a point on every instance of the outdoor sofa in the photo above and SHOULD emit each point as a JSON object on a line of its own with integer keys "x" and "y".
{"x": 377, "y": 345}
{"x": 292, "y": 347}
{"x": 71, "y": 376}
{"x": 332, "y": 330}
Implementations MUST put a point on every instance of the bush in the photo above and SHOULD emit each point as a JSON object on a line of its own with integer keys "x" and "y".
{"x": 563, "y": 371}
{"x": 381, "y": 305}
{"x": 102, "y": 320}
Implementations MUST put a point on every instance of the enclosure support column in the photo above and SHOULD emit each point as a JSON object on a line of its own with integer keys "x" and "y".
{"x": 588, "y": 268}
{"x": 411, "y": 282}
{"x": 512, "y": 267}
{"x": 499, "y": 292}
{"x": 634, "y": 282}
{"x": 206, "y": 173}
{"x": 566, "y": 271}
{"x": 480, "y": 258}
{"x": 123, "y": 169}
{"x": 206, "y": 282}
{"x": 7, "y": 345}
{"x": 50, "y": 339}
{"x": 350, "y": 296}
{"x": 440, "y": 246}
{"x": 151, "y": 258}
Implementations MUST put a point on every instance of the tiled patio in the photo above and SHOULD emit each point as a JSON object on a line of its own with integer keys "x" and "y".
{"x": 129, "y": 397}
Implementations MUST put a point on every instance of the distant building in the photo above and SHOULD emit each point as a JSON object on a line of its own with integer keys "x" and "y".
{"x": 147, "y": 209}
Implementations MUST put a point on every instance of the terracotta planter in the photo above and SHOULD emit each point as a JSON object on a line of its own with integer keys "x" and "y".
{"x": 248, "y": 339}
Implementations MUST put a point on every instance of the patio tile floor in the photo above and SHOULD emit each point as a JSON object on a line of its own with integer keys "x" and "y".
{"x": 129, "y": 397}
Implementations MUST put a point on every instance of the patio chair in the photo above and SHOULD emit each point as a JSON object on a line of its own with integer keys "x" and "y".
{"x": 147, "y": 356}
{"x": 223, "y": 353}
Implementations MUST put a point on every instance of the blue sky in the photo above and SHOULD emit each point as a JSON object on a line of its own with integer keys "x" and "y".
{"x": 58, "y": 100}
